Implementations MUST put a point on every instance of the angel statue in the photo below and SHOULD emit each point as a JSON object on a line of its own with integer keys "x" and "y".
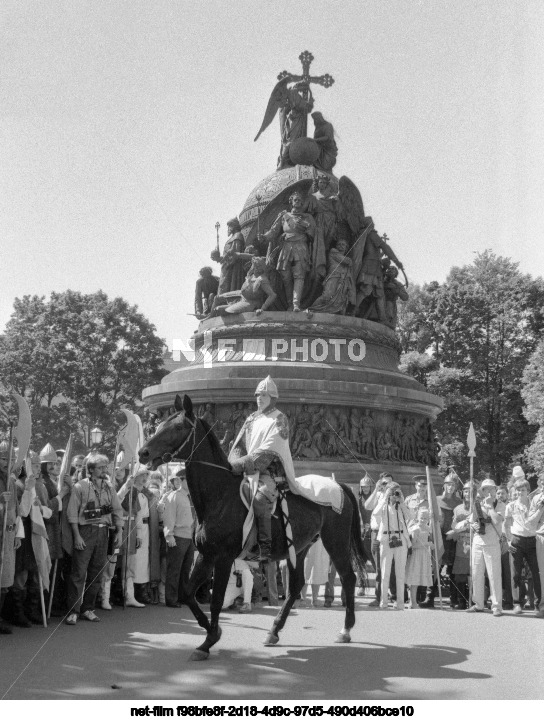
{"x": 294, "y": 109}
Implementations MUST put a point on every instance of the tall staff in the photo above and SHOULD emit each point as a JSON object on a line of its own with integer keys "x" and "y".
{"x": 437, "y": 532}
{"x": 217, "y": 226}
{"x": 471, "y": 443}
{"x": 132, "y": 439}
{"x": 6, "y": 503}
{"x": 64, "y": 470}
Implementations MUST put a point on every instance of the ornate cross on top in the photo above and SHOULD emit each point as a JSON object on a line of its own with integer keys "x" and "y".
{"x": 306, "y": 58}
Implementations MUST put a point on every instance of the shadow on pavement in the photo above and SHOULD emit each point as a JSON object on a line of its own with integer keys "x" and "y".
{"x": 152, "y": 663}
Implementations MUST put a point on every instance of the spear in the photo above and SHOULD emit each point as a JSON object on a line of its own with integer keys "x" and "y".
{"x": 6, "y": 504}
{"x": 217, "y": 226}
{"x": 258, "y": 198}
{"x": 64, "y": 470}
{"x": 471, "y": 443}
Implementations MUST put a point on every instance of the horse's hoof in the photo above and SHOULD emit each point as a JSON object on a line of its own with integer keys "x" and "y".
{"x": 199, "y": 655}
{"x": 343, "y": 638}
{"x": 271, "y": 640}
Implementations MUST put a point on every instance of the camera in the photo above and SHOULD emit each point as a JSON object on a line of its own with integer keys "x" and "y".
{"x": 91, "y": 513}
{"x": 106, "y": 508}
{"x": 395, "y": 542}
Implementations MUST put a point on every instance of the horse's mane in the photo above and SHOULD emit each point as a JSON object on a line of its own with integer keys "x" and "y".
{"x": 219, "y": 456}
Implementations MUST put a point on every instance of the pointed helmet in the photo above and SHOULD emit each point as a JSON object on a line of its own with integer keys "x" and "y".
{"x": 267, "y": 386}
{"x": 48, "y": 454}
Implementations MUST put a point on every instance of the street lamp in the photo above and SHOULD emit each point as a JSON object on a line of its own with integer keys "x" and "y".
{"x": 96, "y": 436}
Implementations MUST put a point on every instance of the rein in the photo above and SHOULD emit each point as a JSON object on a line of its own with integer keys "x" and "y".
{"x": 192, "y": 435}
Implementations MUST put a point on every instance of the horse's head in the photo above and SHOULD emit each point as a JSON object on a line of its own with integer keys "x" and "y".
{"x": 173, "y": 436}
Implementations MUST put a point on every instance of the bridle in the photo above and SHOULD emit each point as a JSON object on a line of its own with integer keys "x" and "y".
{"x": 191, "y": 434}
{"x": 189, "y": 459}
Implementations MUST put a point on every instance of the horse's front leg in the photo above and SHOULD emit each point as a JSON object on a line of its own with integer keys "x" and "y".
{"x": 221, "y": 574}
{"x": 296, "y": 582}
{"x": 201, "y": 572}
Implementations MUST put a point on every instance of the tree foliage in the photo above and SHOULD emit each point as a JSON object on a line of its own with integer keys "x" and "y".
{"x": 481, "y": 327}
{"x": 533, "y": 395}
{"x": 78, "y": 359}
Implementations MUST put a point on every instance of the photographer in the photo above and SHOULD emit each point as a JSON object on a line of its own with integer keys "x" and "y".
{"x": 93, "y": 509}
{"x": 486, "y": 519}
{"x": 370, "y": 505}
{"x": 392, "y": 517}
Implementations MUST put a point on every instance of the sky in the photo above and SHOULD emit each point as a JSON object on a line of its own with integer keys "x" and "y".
{"x": 126, "y": 133}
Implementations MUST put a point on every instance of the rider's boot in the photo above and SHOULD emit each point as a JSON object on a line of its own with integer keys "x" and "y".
{"x": 263, "y": 515}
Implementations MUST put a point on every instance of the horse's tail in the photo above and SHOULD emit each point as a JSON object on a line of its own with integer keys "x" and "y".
{"x": 357, "y": 553}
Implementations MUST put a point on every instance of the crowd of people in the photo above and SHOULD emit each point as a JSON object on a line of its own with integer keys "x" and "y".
{"x": 491, "y": 548}
{"x": 101, "y": 535}
{"x": 95, "y": 536}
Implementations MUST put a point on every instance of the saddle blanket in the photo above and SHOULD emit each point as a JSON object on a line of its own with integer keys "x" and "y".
{"x": 320, "y": 489}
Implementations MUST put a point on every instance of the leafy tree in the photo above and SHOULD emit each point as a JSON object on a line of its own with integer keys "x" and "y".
{"x": 483, "y": 323}
{"x": 533, "y": 394}
{"x": 78, "y": 359}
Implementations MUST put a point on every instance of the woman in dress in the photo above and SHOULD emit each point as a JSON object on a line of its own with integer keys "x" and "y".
{"x": 419, "y": 565}
{"x": 339, "y": 286}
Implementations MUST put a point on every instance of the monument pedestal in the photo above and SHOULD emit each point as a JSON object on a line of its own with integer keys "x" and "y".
{"x": 350, "y": 410}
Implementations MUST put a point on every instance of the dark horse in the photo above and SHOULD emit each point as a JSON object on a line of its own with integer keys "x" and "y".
{"x": 215, "y": 493}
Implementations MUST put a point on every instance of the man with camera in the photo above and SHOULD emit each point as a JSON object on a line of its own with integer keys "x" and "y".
{"x": 392, "y": 516}
{"x": 370, "y": 505}
{"x": 93, "y": 510}
{"x": 487, "y": 519}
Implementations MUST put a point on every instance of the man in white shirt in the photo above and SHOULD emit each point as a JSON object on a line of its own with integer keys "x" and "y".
{"x": 392, "y": 517}
{"x": 520, "y": 528}
{"x": 370, "y": 504}
{"x": 487, "y": 519}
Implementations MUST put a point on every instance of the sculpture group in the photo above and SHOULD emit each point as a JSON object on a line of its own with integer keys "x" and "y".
{"x": 321, "y": 254}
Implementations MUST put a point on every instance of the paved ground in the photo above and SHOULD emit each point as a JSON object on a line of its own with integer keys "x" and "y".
{"x": 411, "y": 655}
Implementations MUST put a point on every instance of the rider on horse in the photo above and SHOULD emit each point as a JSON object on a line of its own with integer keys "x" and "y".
{"x": 261, "y": 451}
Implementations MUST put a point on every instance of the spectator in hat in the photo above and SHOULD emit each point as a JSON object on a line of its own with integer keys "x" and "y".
{"x": 392, "y": 516}
{"x": 520, "y": 528}
{"x": 370, "y": 504}
{"x": 93, "y": 508}
{"x": 487, "y": 519}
